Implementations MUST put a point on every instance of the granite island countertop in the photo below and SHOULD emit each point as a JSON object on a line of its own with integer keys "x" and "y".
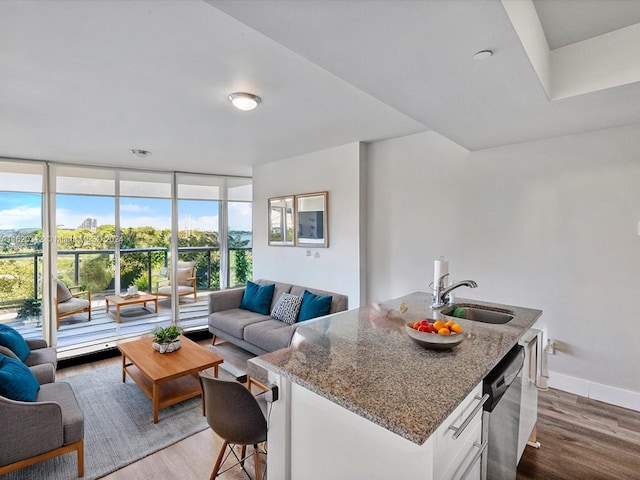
{"x": 363, "y": 360}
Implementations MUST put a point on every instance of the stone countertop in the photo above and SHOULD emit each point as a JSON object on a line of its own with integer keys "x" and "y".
{"x": 364, "y": 360}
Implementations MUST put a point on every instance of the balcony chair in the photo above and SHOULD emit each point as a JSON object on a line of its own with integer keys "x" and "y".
{"x": 234, "y": 414}
{"x": 41, "y": 359}
{"x": 50, "y": 426}
{"x": 186, "y": 279}
{"x": 68, "y": 301}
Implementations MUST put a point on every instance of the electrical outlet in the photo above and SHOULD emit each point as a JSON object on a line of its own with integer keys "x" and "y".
{"x": 273, "y": 394}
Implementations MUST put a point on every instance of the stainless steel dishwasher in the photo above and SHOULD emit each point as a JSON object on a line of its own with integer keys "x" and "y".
{"x": 501, "y": 417}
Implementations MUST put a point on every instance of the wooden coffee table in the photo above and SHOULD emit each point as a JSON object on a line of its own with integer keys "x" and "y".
{"x": 167, "y": 378}
{"x": 119, "y": 301}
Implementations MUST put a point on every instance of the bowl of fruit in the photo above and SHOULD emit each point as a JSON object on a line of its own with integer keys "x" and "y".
{"x": 435, "y": 334}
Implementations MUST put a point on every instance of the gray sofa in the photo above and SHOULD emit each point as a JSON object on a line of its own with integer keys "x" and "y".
{"x": 254, "y": 332}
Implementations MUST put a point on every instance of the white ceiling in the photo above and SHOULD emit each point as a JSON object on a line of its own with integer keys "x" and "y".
{"x": 569, "y": 21}
{"x": 84, "y": 82}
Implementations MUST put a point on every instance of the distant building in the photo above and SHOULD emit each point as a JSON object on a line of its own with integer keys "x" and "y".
{"x": 89, "y": 224}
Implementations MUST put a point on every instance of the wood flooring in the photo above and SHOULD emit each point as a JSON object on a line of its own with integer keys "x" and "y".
{"x": 580, "y": 439}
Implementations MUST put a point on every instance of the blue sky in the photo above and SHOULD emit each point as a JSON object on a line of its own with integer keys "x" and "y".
{"x": 23, "y": 210}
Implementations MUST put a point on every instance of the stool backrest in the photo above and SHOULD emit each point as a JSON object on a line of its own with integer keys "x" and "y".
{"x": 232, "y": 411}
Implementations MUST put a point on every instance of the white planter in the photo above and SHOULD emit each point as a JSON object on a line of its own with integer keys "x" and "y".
{"x": 167, "y": 347}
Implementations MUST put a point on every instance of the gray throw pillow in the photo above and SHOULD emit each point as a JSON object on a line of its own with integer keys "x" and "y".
{"x": 286, "y": 308}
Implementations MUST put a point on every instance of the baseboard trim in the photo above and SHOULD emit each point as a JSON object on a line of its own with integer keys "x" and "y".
{"x": 595, "y": 391}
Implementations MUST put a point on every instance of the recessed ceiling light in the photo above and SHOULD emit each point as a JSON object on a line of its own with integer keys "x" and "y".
{"x": 483, "y": 55}
{"x": 140, "y": 153}
{"x": 244, "y": 101}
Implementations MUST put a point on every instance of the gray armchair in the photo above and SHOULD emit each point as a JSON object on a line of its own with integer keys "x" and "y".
{"x": 42, "y": 360}
{"x": 36, "y": 431}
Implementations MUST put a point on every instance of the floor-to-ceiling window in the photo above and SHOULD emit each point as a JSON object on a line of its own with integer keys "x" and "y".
{"x": 21, "y": 242}
{"x": 240, "y": 234}
{"x": 215, "y": 232}
{"x": 111, "y": 229}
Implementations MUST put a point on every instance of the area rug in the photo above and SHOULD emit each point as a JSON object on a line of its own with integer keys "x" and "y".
{"x": 119, "y": 428}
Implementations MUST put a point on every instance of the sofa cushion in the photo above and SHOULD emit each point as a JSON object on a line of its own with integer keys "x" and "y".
{"x": 314, "y": 306}
{"x": 17, "y": 382}
{"x": 338, "y": 304}
{"x": 75, "y": 304}
{"x": 280, "y": 288}
{"x": 234, "y": 321}
{"x": 183, "y": 275}
{"x": 257, "y": 298}
{"x": 270, "y": 335}
{"x": 11, "y": 339}
{"x": 63, "y": 293}
{"x": 287, "y": 308}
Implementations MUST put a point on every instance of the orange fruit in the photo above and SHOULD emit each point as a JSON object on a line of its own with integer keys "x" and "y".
{"x": 456, "y": 328}
{"x": 415, "y": 325}
{"x": 439, "y": 324}
{"x": 449, "y": 323}
{"x": 444, "y": 331}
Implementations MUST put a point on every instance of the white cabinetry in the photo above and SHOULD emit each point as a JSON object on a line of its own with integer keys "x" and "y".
{"x": 458, "y": 441}
{"x": 312, "y": 438}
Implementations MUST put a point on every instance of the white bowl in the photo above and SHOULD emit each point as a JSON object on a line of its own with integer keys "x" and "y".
{"x": 434, "y": 341}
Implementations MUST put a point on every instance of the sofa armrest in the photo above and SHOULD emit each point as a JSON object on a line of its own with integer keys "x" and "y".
{"x": 44, "y": 373}
{"x": 225, "y": 299}
{"x": 36, "y": 343}
{"x": 28, "y": 429}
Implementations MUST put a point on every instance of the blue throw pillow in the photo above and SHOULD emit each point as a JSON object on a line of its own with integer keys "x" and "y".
{"x": 257, "y": 298}
{"x": 17, "y": 382}
{"x": 314, "y": 306}
{"x": 11, "y": 339}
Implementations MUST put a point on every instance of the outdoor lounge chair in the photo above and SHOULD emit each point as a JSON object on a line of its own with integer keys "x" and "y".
{"x": 69, "y": 301}
{"x": 186, "y": 279}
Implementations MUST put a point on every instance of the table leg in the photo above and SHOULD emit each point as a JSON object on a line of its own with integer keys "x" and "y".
{"x": 117, "y": 313}
{"x": 124, "y": 370}
{"x": 156, "y": 401}
{"x": 156, "y": 302}
{"x": 106, "y": 304}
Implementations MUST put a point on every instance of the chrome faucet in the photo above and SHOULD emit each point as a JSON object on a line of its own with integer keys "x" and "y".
{"x": 441, "y": 296}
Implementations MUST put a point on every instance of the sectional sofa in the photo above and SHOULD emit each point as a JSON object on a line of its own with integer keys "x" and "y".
{"x": 265, "y": 326}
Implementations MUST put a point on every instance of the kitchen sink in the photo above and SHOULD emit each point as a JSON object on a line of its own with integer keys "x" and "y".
{"x": 480, "y": 313}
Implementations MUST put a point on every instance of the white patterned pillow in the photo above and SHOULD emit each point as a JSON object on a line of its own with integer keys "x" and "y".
{"x": 286, "y": 308}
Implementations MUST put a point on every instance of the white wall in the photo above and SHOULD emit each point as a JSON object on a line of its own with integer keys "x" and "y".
{"x": 338, "y": 171}
{"x": 551, "y": 224}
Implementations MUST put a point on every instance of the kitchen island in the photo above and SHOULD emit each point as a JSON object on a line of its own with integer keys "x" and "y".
{"x": 356, "y": 383}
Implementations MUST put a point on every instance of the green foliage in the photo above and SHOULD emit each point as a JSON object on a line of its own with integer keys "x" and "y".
{"x": 96, "y": 271}
{"x": 166, "y": 334}
{"x": 30, "y": 308}
{"x": 243, "y": 266}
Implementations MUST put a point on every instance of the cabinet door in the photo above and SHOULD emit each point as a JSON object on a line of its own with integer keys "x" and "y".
{"x": 330, "y": 442}
{"x": 456, "y": 444}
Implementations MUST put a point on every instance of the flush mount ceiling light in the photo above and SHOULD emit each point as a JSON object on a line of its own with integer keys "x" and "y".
{"x": 244, "y": 101}
{"x": 483, "y": 55}
{"x": 140, "y": 153}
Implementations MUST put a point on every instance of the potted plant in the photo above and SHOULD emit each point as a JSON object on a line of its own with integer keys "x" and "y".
{"x": 166, "y": 339}
{"x": 30, "y": 311}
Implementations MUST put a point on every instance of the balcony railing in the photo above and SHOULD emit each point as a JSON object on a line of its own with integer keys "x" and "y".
{"x": 207, "y": 272}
